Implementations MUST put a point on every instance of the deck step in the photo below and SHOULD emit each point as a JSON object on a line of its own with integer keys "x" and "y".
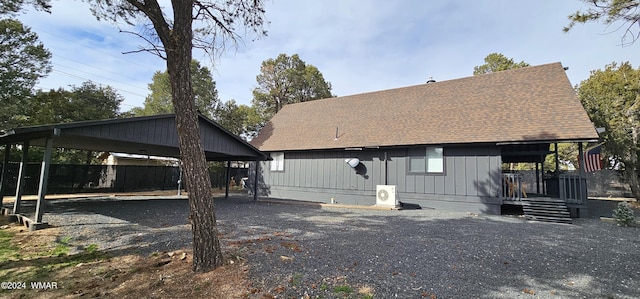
{"x": 546, "y": 209}
{"x": 544, "y": 206}
{"x": 542, "y": 200}
{"x": 548, "y": 219}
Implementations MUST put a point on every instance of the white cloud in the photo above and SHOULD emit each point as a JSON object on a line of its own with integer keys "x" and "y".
{"x": 359, "y": 46}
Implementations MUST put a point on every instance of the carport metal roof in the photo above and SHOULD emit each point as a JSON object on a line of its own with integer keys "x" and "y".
{"x": 147, "y": 135}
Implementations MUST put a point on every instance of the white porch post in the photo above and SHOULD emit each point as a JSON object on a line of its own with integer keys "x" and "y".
{"x": 44, "y": 178}
{"x": 21, "y": 174}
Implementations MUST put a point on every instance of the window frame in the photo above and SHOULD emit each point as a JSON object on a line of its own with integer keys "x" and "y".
{"x": 277, "y": 162}
{"x": 422, "y": 153}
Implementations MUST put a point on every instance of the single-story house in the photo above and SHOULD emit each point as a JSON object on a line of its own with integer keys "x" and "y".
{"x": 108, "y": 158}
{"x": 439, "y": 145}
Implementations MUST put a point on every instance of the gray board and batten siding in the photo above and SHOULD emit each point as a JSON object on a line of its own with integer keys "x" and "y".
{"x": 471, "y": 180}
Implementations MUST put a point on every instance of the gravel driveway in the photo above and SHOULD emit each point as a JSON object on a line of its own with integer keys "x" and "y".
{"x": 296, "y": 249}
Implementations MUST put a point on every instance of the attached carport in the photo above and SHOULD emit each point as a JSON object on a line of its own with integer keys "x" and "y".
{"x": 149, "y": 135}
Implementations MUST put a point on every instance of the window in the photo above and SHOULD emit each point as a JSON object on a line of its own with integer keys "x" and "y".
{"x": 417, "y": 160}
{"x": 277, "y": 164}
{"x": 435, "y": 160}
{"x": 430, "y": 160}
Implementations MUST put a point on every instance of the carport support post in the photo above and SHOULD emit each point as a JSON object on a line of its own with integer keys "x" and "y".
{"x": 44, "y": 178}
{"x": 5, "y": 171}
{"x": 227, "y": 180}
{"x": 21, "y": 174}
{"x": 179, "y": 177}
{"x": 255, "y": 181}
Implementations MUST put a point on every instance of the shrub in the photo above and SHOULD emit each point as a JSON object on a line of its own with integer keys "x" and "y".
{"x": 624, "y": 214}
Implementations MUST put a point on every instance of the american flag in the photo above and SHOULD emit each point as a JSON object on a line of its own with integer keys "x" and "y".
{"x": 592, "y": 159}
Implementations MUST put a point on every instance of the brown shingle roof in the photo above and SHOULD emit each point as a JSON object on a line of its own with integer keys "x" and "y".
{"x": 534, "y": 103}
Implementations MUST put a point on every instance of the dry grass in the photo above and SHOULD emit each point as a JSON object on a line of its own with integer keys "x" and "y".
{"x": 39, "y": 256}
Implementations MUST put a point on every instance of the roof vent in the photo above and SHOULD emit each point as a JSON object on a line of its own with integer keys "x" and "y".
{"x": 431, "y": 80}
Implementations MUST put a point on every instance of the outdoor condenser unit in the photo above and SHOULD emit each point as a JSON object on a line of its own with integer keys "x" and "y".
{"x": 386, "y": 196}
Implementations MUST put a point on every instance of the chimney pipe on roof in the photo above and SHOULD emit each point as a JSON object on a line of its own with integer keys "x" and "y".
{"x": 431, "y": 80}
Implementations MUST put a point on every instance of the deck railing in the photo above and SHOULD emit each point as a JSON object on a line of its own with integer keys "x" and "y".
{"x": 573, "y": 188}
{"x": 569, "y": 187}
{"x": 512, "y": 188}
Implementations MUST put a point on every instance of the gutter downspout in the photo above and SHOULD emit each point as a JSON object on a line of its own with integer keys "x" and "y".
{"x": 386, "y": 174}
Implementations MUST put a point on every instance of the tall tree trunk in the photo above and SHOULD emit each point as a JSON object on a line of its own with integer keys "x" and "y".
{"x": 206, "y": 246}
{"x": 634, "y": 182}
{"x": 631, "y": 177}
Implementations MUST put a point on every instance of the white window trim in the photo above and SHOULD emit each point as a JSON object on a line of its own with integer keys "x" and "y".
{"x": 277, "y": 164}
{"x": 433, "y": 164}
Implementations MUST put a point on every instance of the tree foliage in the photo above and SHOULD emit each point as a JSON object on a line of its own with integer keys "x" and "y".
{"x": 286, "y": 80}
{"x": 23, "y": 61}
{"x": 609, "y": 12}
{"x": 204, "y": 91}
{"x": 567, "y": 154}
{"x": 611, "y": 98}
{"x": 496, "y": 62}
{"x": 12, "y": 7}
{"x": 240, "y": 120}
{"x": 89, "y": 101}
{"x": 567, "y": 157}
{"x": 172, "y": 34}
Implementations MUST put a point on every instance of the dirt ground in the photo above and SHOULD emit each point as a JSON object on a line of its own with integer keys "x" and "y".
{"x": 10, "y": 199}
{"x": 94, "y": 275}
{"x": 97, "y": 275}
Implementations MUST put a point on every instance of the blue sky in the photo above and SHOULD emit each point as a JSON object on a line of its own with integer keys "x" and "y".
{"x": 359, "y": 46}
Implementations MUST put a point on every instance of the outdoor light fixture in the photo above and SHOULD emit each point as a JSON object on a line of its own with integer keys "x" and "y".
{"x": 353, "y": 162}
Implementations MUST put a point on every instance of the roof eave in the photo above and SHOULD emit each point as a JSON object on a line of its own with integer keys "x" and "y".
{"x": 573, "y": 140}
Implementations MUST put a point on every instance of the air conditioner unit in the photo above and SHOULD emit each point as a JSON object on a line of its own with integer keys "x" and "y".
{"x": 386, "y": 196}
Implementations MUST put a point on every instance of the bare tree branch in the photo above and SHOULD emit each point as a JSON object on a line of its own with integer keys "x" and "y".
{"x": 155, "y": 49}
{"x": 610, "y": 12}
